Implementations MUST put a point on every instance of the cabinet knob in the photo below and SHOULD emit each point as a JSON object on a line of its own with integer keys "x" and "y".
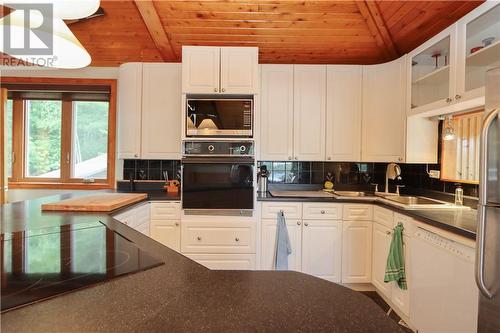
{"x": 298, "y": 222}
{"x": 457, "y": 97}
{"x": 400, "y": 159}
{"x": 215, "y": 89}
{"x": 306, "y": 224}
{"x": 176, "y": 224}
{"x": 198, "y": 238}
{"x": 388, "y": 232}
{"x": 322, "y": 212}
{"x": 289, "y": 157}
{"x": 296, "y": 158}
{"x": 237, "y": 239}
{"x": 448, "y": 100}
{"x": 136, "y": 155}
{"x": 223, "y": 89}
{"x": 329, "y": 158}
{"x": 281, "y": 211}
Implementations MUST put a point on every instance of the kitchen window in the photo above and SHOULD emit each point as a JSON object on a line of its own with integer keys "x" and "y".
{"x": 60, "y": 132}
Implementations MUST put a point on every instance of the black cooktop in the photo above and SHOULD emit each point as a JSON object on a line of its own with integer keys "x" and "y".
{"x": 40, "y": 264}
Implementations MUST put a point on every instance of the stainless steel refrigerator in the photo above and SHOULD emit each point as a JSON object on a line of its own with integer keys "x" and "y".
{"x": 488, "y": 234}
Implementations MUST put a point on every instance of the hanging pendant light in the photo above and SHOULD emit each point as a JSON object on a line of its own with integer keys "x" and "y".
{"x": 67, "y": 51}
{"x": 449, "y": 131}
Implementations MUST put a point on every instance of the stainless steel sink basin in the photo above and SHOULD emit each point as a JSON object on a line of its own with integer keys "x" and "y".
{"x": 350, "y": 193}
{"x": 414, "y": 200}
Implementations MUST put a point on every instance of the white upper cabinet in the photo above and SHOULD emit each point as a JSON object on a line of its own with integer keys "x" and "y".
{"x": 239, "y": 72}
{"x": 478, "y": 49}
{"x": 149, "y": 111}
{"x": 129, "y": 110}
{"x": 343, "y": 113}
{"x": 225, "y": 70}
{"x": 384, "y": 115}
{"x": 200, "y": 69}
{"x": 309, "y": 112}
{"x": 161, "y": 116}
{"x": 432, "y": 72}
{"x": 276, "y": 120}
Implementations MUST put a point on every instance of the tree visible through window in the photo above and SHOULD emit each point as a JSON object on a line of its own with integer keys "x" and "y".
{"x": 8, "y": 110}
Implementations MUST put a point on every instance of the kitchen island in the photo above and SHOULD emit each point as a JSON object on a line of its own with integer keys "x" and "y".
{"x": 183, "y": 296}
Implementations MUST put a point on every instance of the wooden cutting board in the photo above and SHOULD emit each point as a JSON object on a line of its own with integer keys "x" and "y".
{"x": 104, "y": 202}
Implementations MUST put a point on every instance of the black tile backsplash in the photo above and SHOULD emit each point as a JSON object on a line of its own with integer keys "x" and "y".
{"x": 151, "y": 169}
{"x": 361, "y": 175}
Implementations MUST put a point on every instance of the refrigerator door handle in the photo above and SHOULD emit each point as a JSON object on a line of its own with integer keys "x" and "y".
{"x": 483, "y": 191}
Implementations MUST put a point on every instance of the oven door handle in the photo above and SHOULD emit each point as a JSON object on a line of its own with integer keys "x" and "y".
{"x": 218, "y": 160}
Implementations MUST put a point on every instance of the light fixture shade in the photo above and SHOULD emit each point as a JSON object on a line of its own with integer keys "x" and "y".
{"x": 63, "y": 9}
{"x": 67, "y": 51}
{"x": 207, "y": 124}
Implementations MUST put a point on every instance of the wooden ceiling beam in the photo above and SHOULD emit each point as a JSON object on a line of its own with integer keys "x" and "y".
{"x": 156, "y": 30}
{"x": 370, "y": 12}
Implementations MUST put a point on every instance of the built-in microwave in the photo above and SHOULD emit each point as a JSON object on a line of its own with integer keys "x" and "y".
{"x": 219, "y": 117}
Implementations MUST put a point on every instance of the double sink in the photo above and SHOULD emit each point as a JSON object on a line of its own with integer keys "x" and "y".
{"x": 406, "y": 202}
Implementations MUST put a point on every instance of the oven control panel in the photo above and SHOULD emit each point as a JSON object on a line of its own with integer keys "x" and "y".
{"x": 218, "y": 148}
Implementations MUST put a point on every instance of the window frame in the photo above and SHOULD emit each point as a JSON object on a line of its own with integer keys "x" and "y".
{"x": 19, "y": 179}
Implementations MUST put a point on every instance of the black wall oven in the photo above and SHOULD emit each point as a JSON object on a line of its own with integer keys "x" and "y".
{"x": 218, "y": 176}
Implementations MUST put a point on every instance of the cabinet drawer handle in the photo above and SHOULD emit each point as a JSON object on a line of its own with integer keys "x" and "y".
{"x": 176, "y": 224}
{"x": 322, "y": 212}
{"x": 306, "y": 224}
{"x": 298, "y": 223}
{"x": 237, "y": 239}
{"x": 388, "y": 232}
{"x": 448, "y": 100}
{"x": 215, "y": 89}
{"x": 223, "y": 89}
{"x": 457, "y": 97}
{"x": 198, "y": 238}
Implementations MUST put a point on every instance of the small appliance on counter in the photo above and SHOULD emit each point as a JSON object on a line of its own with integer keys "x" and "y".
{"x": 262, "y": 179}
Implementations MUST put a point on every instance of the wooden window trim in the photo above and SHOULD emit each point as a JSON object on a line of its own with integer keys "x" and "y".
{"x": 18, "y": 181}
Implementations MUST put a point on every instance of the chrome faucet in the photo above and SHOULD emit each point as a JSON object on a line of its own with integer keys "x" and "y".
{"x": 393, "y": 172}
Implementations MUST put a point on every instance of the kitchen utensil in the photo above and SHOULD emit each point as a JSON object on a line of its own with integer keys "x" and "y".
{"x": 172, "y": 186}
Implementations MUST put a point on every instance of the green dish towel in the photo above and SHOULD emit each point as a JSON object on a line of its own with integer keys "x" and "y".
{"x": 395, "y": 268}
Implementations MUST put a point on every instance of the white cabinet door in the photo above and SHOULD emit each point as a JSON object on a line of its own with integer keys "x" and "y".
{"x": 401, "y": 298}
{"x": 322, "y": 249}
{"x": 309, "y": 112}
{"x": 161, "y": 111}
{"x": 357, "y": 251}
{"x": 129, "y": 110}
{"x": 381, "y": 244}
{"x": 384, "y": 115}
{"x": 268, "y": 244}
{"x": 343, "y": 113}
{"x": 239, "y": 72}
{"x": 200, "y": 69}
{"x": 276, "y": 119}
{"x": 167, "y": 232}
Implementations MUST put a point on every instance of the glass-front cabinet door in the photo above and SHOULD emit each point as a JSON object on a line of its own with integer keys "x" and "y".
{"x": 479, "y": 49}
{"x": 432, "y": 73}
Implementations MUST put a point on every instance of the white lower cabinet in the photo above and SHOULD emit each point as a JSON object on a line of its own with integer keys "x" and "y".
{"x": 322, "y": 249}
{"x": 268, "y": 244}
{"x": 316, "y": 243}
{"x": 225, "y": 261}
{"x": 357, "y": 251}
{"x": 167, "y": 232}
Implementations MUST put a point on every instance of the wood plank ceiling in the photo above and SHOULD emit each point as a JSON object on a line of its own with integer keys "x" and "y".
{"x": 343, "y": 32}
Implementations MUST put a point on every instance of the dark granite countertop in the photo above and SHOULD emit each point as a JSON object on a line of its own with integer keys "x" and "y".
{"x": 183, "y": 296}
{"x": 462, "y": 222}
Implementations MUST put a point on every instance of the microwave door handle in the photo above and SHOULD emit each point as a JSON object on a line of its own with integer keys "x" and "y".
{"x": 483, "y": 192}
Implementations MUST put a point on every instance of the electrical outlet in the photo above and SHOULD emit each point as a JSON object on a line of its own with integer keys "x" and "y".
{"x": 435, "y": 174}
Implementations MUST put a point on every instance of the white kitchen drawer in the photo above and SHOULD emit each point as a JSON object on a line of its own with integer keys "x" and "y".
{"x": 143, "y": 228}
{"x": 358, "y": 212}
{"x": 213, "y": 237}
{"x": 165, "y": 210}
{"x": 225, "y": 261}
{"x": 292, "y": 210}
{"x": 383, "y": 216}
{"x": 124, "y": 217}
{"x": 322, "y": 211}
{"x": 140, "y": 215}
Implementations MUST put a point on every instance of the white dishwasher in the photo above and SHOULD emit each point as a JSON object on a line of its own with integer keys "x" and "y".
{"x": 443, "y": 293}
